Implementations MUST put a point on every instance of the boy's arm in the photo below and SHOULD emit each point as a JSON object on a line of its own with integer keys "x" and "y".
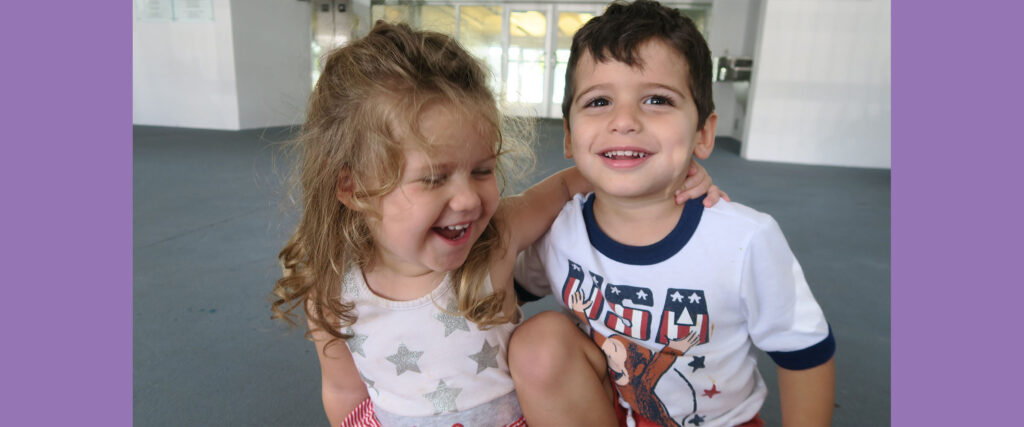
{"x": 341, "y": 387}
{"x": 808, "y": 395}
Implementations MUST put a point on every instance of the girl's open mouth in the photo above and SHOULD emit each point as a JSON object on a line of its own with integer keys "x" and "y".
{"x": 452, "y": 232}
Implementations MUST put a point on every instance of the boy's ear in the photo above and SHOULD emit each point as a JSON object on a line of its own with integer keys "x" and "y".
{"x": 343, "y": 189}
{"x": 568, "y": 139}
{"x": 706, "y": 138}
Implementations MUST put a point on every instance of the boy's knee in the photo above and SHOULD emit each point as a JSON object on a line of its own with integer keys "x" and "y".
{"x": 541, "y": 346}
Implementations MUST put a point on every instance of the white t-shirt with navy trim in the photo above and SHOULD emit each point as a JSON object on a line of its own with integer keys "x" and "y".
{"x": 680, "y": 319}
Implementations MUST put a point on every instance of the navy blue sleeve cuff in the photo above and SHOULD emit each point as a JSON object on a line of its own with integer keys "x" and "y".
{"x": 807, "y": 358}
{"x": 524, "y": 295}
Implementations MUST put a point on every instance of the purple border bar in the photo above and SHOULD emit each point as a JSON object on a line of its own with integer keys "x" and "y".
{"x": 957, "y": 153}
{"x": 66, "y": 231}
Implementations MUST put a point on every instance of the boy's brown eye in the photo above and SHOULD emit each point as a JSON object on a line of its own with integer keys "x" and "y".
{"x": 597, "y": 102}
{"x": 658, "y": 100}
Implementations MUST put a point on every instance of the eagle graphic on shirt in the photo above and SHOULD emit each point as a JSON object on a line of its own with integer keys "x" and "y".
{"x": 634, "y": 368}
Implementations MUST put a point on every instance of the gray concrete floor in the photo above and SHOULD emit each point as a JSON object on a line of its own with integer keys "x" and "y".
{"x": 209, "y": 218}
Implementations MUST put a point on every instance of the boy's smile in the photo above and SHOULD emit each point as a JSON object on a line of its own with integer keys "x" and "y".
{"x": 633, "y": 130}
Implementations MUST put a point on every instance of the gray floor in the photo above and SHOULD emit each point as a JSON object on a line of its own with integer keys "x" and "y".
{"x": 209, "y": 218}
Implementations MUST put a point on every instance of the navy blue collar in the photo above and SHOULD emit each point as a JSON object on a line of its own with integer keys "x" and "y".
{"x": 650, "y": 254}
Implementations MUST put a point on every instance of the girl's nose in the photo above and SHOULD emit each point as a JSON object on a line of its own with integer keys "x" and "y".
{"x": 464, "y": 197}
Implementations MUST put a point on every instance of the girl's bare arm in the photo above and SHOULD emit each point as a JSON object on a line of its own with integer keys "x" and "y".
{"x": 342, "y": 389}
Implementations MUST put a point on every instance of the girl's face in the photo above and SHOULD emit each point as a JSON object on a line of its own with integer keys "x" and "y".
{"x": 444, "y": 200}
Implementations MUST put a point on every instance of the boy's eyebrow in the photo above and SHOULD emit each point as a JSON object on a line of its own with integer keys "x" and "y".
{"x": 644, "y": 86}
{"x": 666, "y": 87}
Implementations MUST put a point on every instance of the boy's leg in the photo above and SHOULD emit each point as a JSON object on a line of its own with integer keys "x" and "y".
{"x": 561, "y": 376}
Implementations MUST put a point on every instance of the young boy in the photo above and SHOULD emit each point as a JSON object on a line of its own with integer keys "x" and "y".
{"x": 673, "y": 299}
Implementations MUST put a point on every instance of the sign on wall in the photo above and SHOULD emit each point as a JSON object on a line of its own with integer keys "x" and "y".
{"x": 174, "y": 10}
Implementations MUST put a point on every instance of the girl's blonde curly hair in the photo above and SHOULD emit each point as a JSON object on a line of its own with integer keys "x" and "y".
{"x": 371, "y": 90}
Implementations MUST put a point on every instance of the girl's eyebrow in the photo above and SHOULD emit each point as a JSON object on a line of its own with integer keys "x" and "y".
{"x": 447, "y": 166}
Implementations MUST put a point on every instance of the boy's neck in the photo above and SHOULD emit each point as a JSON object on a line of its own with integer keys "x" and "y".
{"x": 636, "y": 221}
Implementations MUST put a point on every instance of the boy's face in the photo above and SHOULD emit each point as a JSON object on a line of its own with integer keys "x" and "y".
{"x": 633, "y": 131}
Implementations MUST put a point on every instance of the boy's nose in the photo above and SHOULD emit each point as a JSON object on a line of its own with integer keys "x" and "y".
{"x": 624, "y": 120}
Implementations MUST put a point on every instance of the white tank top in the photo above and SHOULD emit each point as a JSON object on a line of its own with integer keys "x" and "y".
{"x": 419, "y": 360}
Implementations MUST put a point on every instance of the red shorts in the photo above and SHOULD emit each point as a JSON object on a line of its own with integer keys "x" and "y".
{"x": 640, "y": 421}
{"x": 363, "y": 416}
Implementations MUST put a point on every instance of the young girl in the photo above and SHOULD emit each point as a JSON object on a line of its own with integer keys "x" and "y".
{"x": 404, "y": 250}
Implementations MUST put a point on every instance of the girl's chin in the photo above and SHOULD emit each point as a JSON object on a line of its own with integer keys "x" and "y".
{"x": 452, "y": 263}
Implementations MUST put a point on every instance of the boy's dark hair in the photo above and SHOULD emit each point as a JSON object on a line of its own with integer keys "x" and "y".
{"x": 619, "y": 32}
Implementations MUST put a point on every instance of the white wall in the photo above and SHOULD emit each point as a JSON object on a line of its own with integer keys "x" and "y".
{"x": 248, "y": 68}
{"x": 183, "y": 73}
{"x": 732, "y": 31}
{"x": 273, "y": 61}
{"x": 820, "y": 92}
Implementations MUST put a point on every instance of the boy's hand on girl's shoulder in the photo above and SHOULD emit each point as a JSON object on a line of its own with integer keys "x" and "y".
{"x": 698, "y": 182}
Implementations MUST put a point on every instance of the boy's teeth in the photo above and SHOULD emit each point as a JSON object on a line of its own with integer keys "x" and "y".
{"x": 624, "y": 153}
{"x": 456, "y": 227}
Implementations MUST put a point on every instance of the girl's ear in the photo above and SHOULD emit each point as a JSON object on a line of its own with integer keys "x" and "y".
{"x": 343, "y": 189}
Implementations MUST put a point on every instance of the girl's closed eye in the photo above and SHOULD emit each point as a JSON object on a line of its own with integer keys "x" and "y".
{"x": 483, "y": 172}
{"x": 433, "y": 180}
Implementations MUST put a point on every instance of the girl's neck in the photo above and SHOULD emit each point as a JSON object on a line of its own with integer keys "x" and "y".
{"x": 636, "y": 222}
{"x": 397, "y": 285}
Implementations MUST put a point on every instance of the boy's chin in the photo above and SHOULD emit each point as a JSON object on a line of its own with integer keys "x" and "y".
{"x": 633, "y": 192}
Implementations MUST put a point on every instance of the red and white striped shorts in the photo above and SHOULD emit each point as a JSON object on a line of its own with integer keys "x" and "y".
{"x": 363, "y": 416}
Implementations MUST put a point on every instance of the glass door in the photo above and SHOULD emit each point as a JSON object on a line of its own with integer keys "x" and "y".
{"x": 480, "y": 31}
{"x": 526, "y": 81}
{"x": 570, "y": 18}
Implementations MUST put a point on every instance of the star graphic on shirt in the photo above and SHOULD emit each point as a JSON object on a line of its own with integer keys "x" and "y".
{"x": 696, "y": 420}
{"x": 369, "y": 382}
{"x": 711, "y": 393}
{"x": 641, "y": 294}
{"x": 615, "y": 290}
{"x": 694, "y": 297}
{"x": 677, "y": 297}
{"x": 355, "y": 342}
{"x": 405, "y": 360}
{"x": 575, "y": 267}
{"x": 443, "y": 398}
{"x": 487, "y": 357}
{"x": 451, "y": 323}
{"x": 697, "y": 363}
